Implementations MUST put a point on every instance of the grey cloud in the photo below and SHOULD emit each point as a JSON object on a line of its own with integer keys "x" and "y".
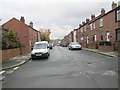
{"x": 61, "y": 17}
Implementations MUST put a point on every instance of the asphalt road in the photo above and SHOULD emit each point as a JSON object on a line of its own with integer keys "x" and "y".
{"x": 66, "y": 69}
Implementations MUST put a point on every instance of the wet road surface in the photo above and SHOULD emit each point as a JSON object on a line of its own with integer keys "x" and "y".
{"x": 66, "y": 69}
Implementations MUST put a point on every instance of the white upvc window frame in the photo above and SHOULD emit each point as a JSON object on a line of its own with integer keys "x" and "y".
{"x": 118, "y": 15}
{"x": 94, "y": 25}
{"x": 82, "y": 38}
{"x": 91, "y": 26}
{"x": 84, "y": 28}
{"x": 108, "y": 36}
{"x": 95, "y": 37}
{"x": 101, "y": 22}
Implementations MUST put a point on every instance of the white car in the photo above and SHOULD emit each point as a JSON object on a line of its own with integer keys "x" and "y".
{"x": 40, "y": 49}
{"x": 74, "y": 45}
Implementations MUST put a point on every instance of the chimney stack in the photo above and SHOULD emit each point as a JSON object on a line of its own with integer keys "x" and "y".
{"x": 31, "y": 24}
{"x": 102, "y": 11}
{"x": 80, "y": 25}
{"x": 114, "y": 5}
{"x": 92, "y": 17}
{"x": 83, "y": 23}
{"x": 22, "y": 19}
{"x": 87, "y": 20}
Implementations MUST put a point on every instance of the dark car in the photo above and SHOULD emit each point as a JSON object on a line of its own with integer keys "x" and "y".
{"x": 51, "y": 45}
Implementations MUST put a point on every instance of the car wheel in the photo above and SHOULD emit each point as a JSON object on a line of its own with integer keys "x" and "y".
{"x": 33, "y": 58}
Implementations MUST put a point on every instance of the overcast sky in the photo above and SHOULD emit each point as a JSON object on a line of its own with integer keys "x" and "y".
{"x": 61, "y": 16}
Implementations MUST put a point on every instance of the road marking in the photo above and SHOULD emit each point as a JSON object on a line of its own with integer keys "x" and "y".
{"x": 9, "y": 72}
{"x": 16, "y": 68}
{"x": 2, "y": 78}
{"x": 2, "y": 72}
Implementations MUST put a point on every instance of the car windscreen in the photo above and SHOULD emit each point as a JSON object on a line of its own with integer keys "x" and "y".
{"x": 74, "y": 43}
{"x": 40, "y": 46}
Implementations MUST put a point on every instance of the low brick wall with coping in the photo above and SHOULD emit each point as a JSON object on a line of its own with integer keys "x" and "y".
{"x": 10, "y": 53}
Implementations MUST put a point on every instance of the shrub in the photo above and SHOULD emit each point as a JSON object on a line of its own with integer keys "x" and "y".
{"x": 10, "y": 40}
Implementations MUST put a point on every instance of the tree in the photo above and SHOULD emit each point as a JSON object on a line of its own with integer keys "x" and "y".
{"x": 45, "y": 36}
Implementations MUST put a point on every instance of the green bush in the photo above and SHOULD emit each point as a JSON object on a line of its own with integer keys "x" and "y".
{"x": 10, "y": 40}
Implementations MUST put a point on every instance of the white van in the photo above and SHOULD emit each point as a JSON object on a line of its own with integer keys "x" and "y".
{"x": 40, "y": 49}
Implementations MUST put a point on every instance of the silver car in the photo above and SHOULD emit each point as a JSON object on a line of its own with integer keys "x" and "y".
{"x": 74, "y": 45}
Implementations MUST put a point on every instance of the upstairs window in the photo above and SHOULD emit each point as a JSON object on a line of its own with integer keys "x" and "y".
{"x": 101, "y": 22}
{"x": 81, "y": 29}
{"x": 94, "y": 25}
{"x": 118, "y": 15}
{"x": 84, "y": 28}
{"x": 90, "y": 26}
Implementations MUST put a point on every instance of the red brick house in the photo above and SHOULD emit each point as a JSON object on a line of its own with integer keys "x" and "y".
{"x": 27, "y": 34}
{"x": 101, "y": 32}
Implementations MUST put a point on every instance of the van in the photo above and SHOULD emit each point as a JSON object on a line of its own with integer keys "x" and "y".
{"x": 40, "y": 49}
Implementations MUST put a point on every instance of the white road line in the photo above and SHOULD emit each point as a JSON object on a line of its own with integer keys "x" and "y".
{"x": 2, "y": 72}
{"x": 2, "y": 78}
{"x": 9, "y": 72}
{"x": 16, "y": 68}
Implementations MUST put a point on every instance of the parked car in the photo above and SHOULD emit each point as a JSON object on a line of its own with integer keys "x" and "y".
{"x": 64, "y": 44}
{"x": 51, "y": 45}
{"x": 74, "y": 45}
{"x": 40, "y": 49}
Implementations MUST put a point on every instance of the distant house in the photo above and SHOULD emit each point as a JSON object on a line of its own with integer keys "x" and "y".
{"x": 27, "y": 34}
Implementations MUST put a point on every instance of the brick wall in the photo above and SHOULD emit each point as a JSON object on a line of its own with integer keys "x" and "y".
{"x": 10, "y": 53}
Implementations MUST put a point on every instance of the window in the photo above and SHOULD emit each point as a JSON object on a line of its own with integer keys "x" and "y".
{"x": 81, "y": 38}
{"x": 91, "y": 38}
{"x": 81, "y": 29}
{"x": 90, "y": 26}
{"x": 94, "y": 25}
{"x": 118, "y": 35}
{"x": 101, "y": 36}
{"x": 84, "y": 28}
{"x": 95, "y": 37}
{"x": 101, "y": 22}
{"x": 108, "y": 35}
{"x": 118, "y": 15}
{"x": 87, "y": 40}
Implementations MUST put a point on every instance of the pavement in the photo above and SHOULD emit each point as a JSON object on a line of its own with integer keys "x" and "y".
{"x": 16, "y": 61}
{"x": 21, "y": 59}
{"x": 110, "y": 54}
